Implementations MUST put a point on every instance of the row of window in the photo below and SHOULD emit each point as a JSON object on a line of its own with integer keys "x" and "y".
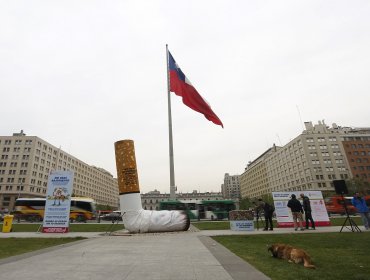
{"x": 359, "y": 160}
{"x": 22, "y": 188}
{"x": 361, "y": 168}
{"x": 17, "y": 142}
{"x": 11, "y": 180}
{"x": 358, "y": 146}
{"x": 321, "y": 139}
{"x": 13, "y": 172}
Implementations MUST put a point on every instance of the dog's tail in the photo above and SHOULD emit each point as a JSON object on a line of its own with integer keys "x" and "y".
{"x": 307, "y": 262}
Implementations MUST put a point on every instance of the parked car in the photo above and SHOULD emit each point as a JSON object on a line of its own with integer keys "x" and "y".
{"x": 113, "y": 216}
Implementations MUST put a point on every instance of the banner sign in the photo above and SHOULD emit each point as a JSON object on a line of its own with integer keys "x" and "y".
{"x": 241, "y": 220}
{"x": 284, "y": 215}
{"x": 242, "y": 225}
{"x": 58, "y": 202}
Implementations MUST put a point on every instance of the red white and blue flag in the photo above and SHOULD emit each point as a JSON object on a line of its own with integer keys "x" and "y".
{"x": 181, "y": 86}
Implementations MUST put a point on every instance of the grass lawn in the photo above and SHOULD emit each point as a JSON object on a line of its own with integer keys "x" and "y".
{"x": 15, "y": 246}
{"x": 220, "y": 225}
{"x": 72, "y": 227}
{"x": 336, "y": 255}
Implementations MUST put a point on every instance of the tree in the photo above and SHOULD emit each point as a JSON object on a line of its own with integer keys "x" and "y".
{"x": 103, "y": 207}
{"x": 245, "y": 203}
{"x": 358, "y": 184}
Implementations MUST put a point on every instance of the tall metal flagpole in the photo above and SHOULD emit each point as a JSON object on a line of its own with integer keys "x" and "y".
{"x": 172, "y": 168}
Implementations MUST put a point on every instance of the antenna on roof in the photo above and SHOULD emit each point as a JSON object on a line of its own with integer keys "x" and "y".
{"x": 300, "y": 118}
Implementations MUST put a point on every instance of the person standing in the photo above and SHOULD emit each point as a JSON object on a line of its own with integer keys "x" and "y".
{"x": 362, "y": 208}
{"x": 268, "y": 211}
{"x": 307, "y": 211}
{"x": 297, "y": 210}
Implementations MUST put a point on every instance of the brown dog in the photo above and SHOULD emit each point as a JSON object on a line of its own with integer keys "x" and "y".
{"x": 290, "y": 253}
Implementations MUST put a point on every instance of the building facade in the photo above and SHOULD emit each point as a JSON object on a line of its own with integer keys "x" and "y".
{"x": 231, "y": 188}
{"x": 152, "y": 199}
{"x": 357, "y": 150}
{"x": 311, "y": 161}
{"x": 254, "y": 180}
{"x": 26, "y": 162}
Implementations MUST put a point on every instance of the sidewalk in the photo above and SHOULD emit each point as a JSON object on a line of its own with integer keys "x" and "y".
{"x": 178, "y": 255}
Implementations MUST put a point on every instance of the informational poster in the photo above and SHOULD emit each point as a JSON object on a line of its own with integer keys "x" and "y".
{"x": 58, "y": 202}
{"x": 241, "y": 220}
{"x": 242, "y": 225}
{"x": 284, "y": 215}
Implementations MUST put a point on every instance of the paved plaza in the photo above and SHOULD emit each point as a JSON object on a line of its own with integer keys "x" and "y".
{"x": 190, "y": 255}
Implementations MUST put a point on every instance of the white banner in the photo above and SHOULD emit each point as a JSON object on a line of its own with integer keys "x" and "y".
{"x": 242, "y": 225}
{"x": 284, "y": 215}
{"x": 58, "y": 202}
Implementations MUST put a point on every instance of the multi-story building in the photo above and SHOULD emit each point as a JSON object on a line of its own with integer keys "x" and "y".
{"x": 254, "y": 180}
{"x": 152, "y": 199}
{"x": 357, "y": 150}
{"x": 231, "y": 188}
{"x": 311, "y": 161}
{"x": 26, "y": 162}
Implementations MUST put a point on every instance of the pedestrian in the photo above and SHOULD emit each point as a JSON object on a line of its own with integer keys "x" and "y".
{"x": 268, "y": 210}
{"x": 360, "y": 204}
{"x": 297, "y": 210}
{"x": 307, "y": 211}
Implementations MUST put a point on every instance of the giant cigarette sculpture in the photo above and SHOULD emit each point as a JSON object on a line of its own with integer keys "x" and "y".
{"x": 135, "y": 218}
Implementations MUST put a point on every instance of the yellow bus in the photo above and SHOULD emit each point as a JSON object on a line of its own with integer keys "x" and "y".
{"x": 32, "y": 209}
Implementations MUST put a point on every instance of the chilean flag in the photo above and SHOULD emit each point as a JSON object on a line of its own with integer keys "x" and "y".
{"x": 181, "y": 86}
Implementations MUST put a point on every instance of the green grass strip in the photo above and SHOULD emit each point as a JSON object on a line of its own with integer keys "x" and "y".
{"x": 16, "y": 246}
{"x": 336, "y": 255}
{"x": 72, "y": 228}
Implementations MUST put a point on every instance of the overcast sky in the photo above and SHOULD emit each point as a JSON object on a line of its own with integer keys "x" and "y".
{"x": 85, "y": 74}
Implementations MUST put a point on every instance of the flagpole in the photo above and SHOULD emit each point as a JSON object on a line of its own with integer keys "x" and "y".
{"x": 172, "y": 168}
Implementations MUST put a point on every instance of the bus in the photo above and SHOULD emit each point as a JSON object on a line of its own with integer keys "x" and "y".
{"x": 32, "y": 209}
{"x": 204, "y": 209}
{"x": 335, "y": 204}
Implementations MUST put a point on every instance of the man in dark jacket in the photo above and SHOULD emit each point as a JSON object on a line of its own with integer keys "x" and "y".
{"x": 268, "y": 211}
{"x": 307, "y": 211}
{"x": 297, "y": 210}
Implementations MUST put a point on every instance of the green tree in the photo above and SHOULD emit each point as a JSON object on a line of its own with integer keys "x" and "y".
{"x": 245, "y": 203}
{"x": 103, "y": 207}
{"x": 358, "y": 185}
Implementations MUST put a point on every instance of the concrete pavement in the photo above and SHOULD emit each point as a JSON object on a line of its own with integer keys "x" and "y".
{"x": 179, "y": 255}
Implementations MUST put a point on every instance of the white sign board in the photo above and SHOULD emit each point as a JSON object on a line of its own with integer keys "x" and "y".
{"x": 58, "y": 202}
{"x": 242, "y": 225}
{"x": 284, "y": 215}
